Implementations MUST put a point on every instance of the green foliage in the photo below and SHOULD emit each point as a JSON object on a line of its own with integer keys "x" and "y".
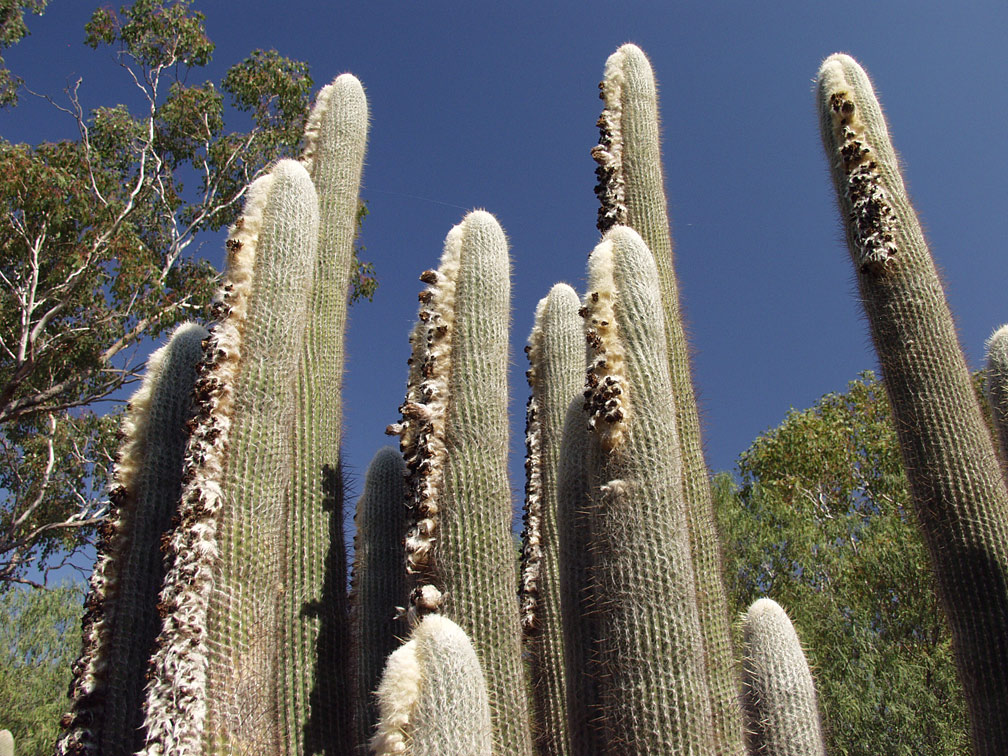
{"x": 38, "y": 644}
{"x": 95, "y": 257}
{"x": 822, "y": 523}
{"x": 12, "y": 30}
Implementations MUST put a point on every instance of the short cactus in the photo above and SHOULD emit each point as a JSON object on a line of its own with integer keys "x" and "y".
{"x": 778, "y": 693}
{"x": 432, "y": 697}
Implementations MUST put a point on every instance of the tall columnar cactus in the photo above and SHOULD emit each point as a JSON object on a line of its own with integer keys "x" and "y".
{"x": 955, "y": 480}
{"x": 652, "y": 680}
{"x": 778, "y": 694}
{"x": 315, "y": 667}
{"x": 432, "y": 697}
{"x": 577, "y": 604}
{"x": 556, "y": 376}
{"x": 379, "y": 580}
{"x": 997, "y": 385}
{"x": 631, "y": 192}
{"x": 454, "y": 438}
{"x": 121, "y": 619}
{"x": 213, "y": 676}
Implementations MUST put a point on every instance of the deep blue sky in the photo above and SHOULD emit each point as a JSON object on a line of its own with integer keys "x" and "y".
{"x": 494, "y": 106}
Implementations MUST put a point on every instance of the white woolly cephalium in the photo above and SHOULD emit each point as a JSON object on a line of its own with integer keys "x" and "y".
{"x": 610, "y": 189}
{"x": 531, "y": 537}
{"x": 422, "y": 430}
{"x": 606, "y": 389}
{"x": 397, "y": 695}
{"x": 871, "y": 213}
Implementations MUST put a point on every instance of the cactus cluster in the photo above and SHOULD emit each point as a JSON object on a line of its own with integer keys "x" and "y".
{"x": 612, "y": 635}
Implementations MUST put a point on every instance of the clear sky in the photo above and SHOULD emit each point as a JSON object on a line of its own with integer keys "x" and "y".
{"x": 494, "y": 106}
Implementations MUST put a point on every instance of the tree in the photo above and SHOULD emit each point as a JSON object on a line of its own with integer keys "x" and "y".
{"x": 822, "y": 524}
{"x": 95, "y": 253}
{"x": 38, "y": 643}
{"x": 12, "y": 30}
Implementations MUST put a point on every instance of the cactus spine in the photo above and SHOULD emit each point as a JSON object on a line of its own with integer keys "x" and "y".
{"x": 955, "y": 480}
{"x": 778, "y": 693}
{"x": 652, "y": 683}
{"x": 315, "y": 673}
{"x": 121, "y": 619}
{"x": 379, "y": 579}
{"x": 213, "y": 686}
{"x": 631, "y": 192}
{"x": 432, "y": 697}
{"x": 556, "y": 376}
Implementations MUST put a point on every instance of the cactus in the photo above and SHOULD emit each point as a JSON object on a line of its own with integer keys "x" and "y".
{"x": 316, "y": 668}
{"x": 213, "y": 686}
{"x": 556, "y": 375}
{"x": 121, "y": 619}
{"x": 379, "y": 579}
{"x": 997, "y": 384}
{"x": 652, "y": 682}
{"x": 955, "y": 479}
{"x": 631, "y": 192}
{"x": 622, "y": 600}
{"x": 778, "y": 696}
{"x": 432, "y": 697}
{"x": 455, "y": 442}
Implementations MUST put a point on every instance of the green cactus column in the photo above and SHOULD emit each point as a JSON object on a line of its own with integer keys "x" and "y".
{"x": 556, "y": 355}
{"x": 651, "y": 678}
{"x": 454, "y": 438}
{"x": 379, "y": 580}
{"x": 121, "y": 619}
{"x": 955, "y": 479}
{"x": 997, "y": 385}
{"x": 631, "y": 192}
{"x": 432, "y": 697}
{"x": 778, "y": 693}
{"x": 315, "y": 671}
{"x": 213, "y": 677}
{"x": 577, "y": 604}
